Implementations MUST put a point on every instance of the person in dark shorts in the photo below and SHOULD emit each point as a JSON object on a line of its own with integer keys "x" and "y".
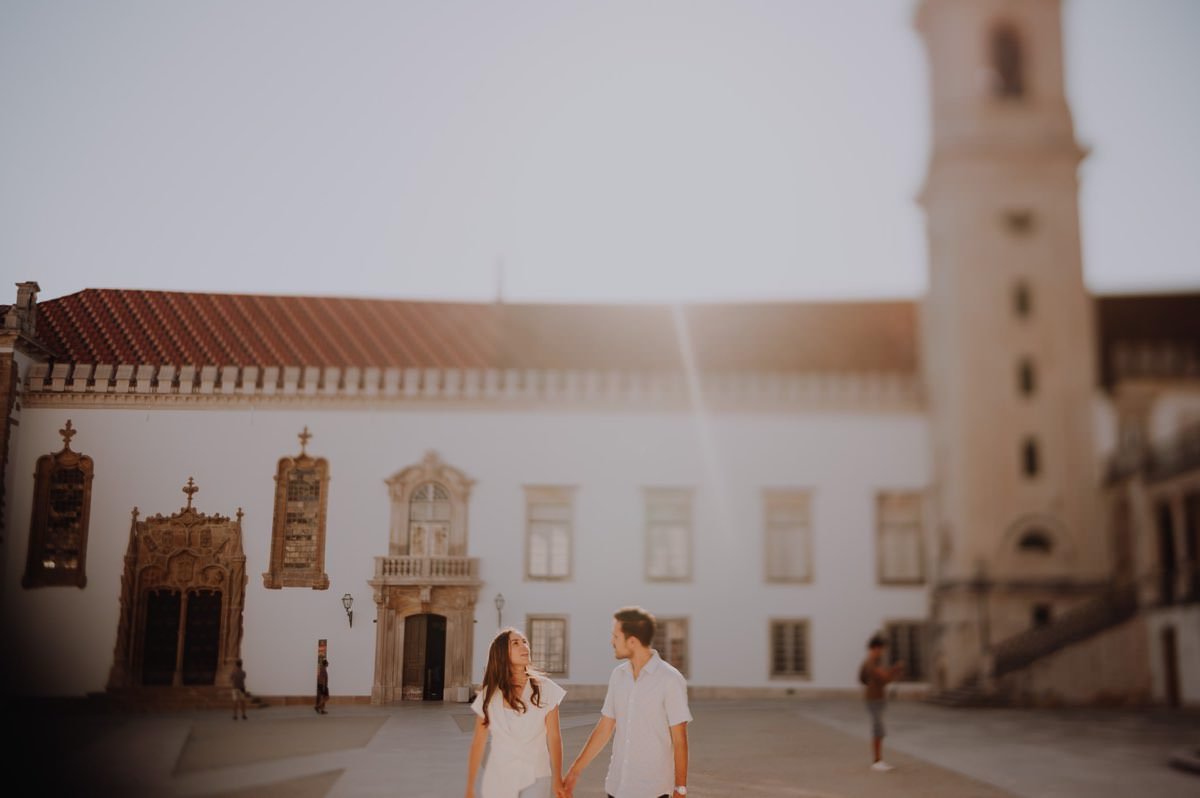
{"x": 322, "y": 686}
{"x": 237, "y": 680}
{"x": 876, "y": 676}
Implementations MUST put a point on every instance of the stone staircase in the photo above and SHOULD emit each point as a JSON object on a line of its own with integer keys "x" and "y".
{"x": 1110, "y": 609}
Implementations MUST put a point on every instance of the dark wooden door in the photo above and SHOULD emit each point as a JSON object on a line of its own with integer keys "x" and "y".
{"x": 160, "y": 637}
{"x": 435, "y": 657}
{"x": 1166, "y": 553}
{"x": 1170, "y": 653}
{"x": 415, "y": 627}
{"x": 202, "y": 637}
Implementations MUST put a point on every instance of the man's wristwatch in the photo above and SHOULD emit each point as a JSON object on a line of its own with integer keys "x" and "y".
{"x": 681, "y": 790}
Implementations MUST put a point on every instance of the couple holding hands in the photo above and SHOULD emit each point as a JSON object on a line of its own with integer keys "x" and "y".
{"x": 646, "y": 708}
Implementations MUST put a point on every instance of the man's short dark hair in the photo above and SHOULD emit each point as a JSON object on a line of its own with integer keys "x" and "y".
{"x": 877, "y": 641}
{"x": 636, "y": 622}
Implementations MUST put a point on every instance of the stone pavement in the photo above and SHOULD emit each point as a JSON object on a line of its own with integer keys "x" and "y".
{"x": 791, "y": 748}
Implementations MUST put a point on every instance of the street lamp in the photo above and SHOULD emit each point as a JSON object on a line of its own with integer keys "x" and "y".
{"x": 348, "y": 602}
{"x": 499, "y": 610}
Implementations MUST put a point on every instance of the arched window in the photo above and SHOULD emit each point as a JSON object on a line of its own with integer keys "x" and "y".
{"x": 1026, "y": 377}
{"x": 298, "y": 528}
{"x": 429, "y": 521}
{"x": 58, "y": 530}
{"x": 1022, "y": 300}
{"x": 1035, "y": 541}
{"x": 1008, "y": 81}
{"x": 1030, "y": 459}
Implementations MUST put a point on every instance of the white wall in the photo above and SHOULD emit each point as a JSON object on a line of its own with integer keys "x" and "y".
{"x": 143, "y": 458}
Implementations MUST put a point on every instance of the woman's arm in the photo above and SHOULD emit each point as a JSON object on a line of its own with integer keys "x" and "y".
{"x": 554, "y": 745}
{"x": 477, "y": 744}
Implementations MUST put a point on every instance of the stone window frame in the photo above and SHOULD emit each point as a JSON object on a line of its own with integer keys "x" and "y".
{"x": 891, "y": 628}
{"x": 780, "y": 498}
{"x": 565, "y": 620}
{"x": 405, "y": 482}
{"x": 791, "y": 673}
{"x": 882, "y": 527}
{"x": 536, "y": 495}
{"x": 666, "y": 651}
{"x": 314, "y": 577}
{"x": 685, "y": 498}
{"x": 48, "y": 466}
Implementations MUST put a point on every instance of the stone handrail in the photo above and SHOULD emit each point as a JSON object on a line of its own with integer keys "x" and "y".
{"x": 395, "y": 570}
{"x": 1108, "y": 610}
{"x": 124, "y": 383}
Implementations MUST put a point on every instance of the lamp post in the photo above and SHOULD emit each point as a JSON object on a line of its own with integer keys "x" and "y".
{"x": 499, "y": 610}
{"x": 348, "y": 602}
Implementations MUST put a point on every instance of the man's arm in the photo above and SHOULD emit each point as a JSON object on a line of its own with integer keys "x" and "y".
{"x": 679, "y": 743}
{"x": 594, "y": 745}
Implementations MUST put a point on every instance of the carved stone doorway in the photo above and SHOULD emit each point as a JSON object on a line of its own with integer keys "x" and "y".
{"x": 182, "y": 594}
{"x": 424, "y": 657}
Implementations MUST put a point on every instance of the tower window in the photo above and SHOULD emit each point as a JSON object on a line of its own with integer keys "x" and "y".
{"x": 1008, "y": 82}
{"x": 1018, "y": 222}
{"x": 1035, "y": 541}
{"x": 1026, "y": 377}
{"x": 1042, "y": 615}
{"x": 1029, "y": 458}
{"x": 1023, "y": 300}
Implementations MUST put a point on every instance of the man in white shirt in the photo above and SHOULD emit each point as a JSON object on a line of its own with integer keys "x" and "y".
{"x": 647, "y": 707}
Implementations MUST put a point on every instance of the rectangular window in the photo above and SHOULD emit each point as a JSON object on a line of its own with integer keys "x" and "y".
{"x": 668, "y": 534}
{"x": 671, "y": 641}
{"x": 899, "y": 535}
{"x": 548, "y": 643}
{"x": 789, "y": 648}
{"x": 789, "y": 535}
{"x": 549, "y": 515}
{"x": 906, "y": 643}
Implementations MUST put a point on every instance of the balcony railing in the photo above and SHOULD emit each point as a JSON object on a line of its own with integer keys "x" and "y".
{"x": 1159, "y": 462}
{"x": 426, "y": 570}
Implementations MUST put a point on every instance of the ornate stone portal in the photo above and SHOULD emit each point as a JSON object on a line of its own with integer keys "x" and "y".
{"x": 426, "y": 589}
{"x": 182, "y": 595}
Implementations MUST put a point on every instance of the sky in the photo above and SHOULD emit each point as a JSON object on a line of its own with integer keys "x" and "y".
{"x": 557, "y": 150}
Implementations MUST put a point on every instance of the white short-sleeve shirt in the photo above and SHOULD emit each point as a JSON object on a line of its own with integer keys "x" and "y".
{"x": 518, "y": 756}
{"x": 645, "y": 709}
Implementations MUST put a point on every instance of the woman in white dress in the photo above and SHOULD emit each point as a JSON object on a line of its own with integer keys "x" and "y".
{"x": 518, "y": 707}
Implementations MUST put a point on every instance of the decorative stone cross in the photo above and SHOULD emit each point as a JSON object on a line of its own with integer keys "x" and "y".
{"x": 304, "y": 436}
{"x": 190, "y": 489}
{"x": 68, "y": 433}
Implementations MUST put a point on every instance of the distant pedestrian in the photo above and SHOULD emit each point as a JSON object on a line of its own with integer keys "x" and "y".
{"x": 322, "y": 686}
{"x": 238, "y": 680}
{"x": 876, "y": 676}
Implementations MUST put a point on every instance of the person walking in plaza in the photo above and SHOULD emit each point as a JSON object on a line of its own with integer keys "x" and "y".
{"x": 237, "y": 680}
{"x": 646, "y": 708}
{"x": 322, "y": 686}
{"x": 876, "y": 676}
{"x": 518, "y": 707}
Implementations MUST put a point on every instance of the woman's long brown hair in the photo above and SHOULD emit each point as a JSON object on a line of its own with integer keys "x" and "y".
{"x": 498, "y": 676}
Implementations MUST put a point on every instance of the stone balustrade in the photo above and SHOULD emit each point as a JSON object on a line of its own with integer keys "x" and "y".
{"x": 426, "y": 570}
{"x": 121, "y": 384}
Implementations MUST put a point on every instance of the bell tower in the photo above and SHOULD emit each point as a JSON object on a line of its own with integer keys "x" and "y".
{"x": 1007, "y": 333}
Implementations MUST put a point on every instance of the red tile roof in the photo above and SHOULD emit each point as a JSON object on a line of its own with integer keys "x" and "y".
{"x": 157, "y": 327}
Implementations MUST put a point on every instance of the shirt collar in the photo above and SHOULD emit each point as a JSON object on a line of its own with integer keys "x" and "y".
{"x": 650, "y": 667}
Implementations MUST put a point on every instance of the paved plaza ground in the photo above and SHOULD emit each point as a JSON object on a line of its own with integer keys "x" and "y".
{"x": 788, "y": 748}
